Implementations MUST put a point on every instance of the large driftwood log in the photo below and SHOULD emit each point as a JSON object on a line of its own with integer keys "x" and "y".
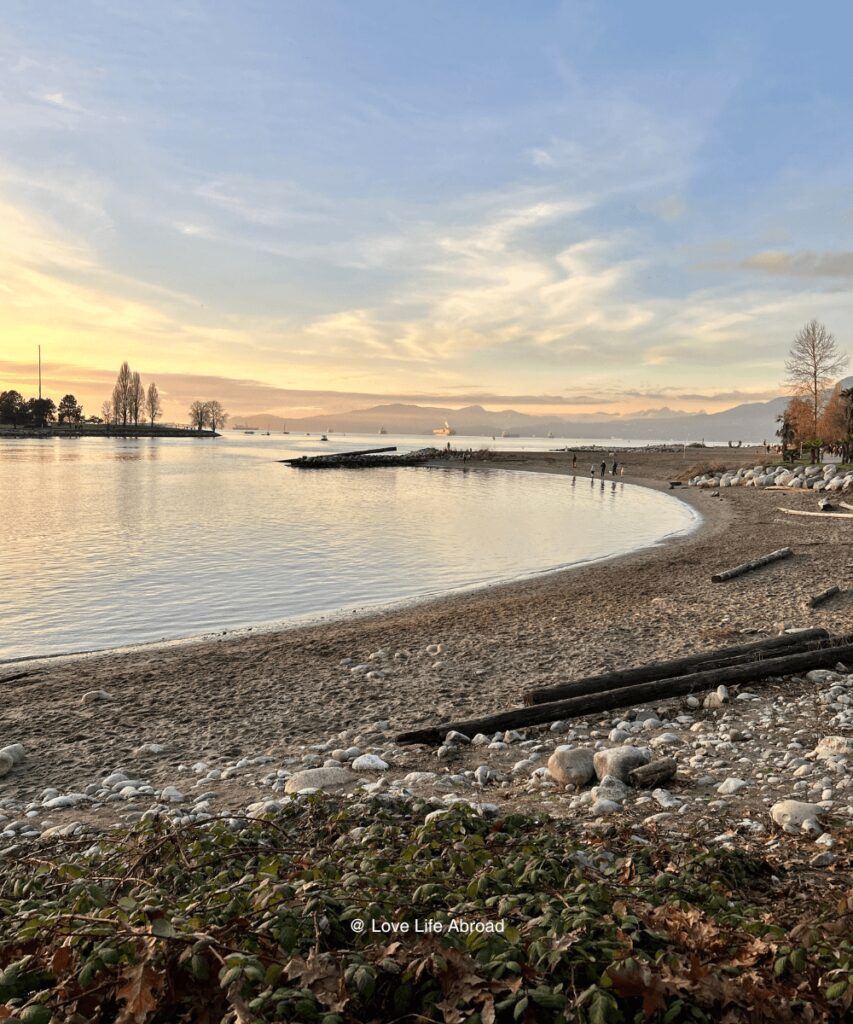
{"x": 817, "y": 515}
{"x": 577, "y": 707}
{"x": 844, "y": 504}
{"x": 653, "y": 774}
{"x": 818, "y": 599}
{"x": 756, "y": 563}
{"x": 805, "y": 638}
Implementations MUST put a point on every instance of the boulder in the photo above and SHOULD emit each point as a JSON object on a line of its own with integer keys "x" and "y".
{"x": 330, "y": 779}
{"x": 6, "y": 764}
{"x": 15, "y": 751}
{"x": 618, "y": 761}
{"x": 793, "y": 815}
{"x": 369, "y": 763}
{"x": 571, "y": 766}
{"x": 829, "y": 746}
{"x": 94, "y": 696}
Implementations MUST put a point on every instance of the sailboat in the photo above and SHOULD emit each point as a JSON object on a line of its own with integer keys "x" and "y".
{"x": 382, "y": 430}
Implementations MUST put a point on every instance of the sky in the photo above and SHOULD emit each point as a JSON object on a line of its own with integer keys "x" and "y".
{"x": 301, "y": 207}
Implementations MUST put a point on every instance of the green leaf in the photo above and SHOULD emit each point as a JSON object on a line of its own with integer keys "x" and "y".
{"x": 162, "y": 928}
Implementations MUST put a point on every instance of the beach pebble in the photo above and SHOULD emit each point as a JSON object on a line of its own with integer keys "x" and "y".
{"x": 6, "y": 764}
{"x": 150, "y": 748}
{"x": 15, "y": 751}
{"x": 483, "y": 775}
{"x": 331, "y": 779}
{"x": 173, "y": 795}
{"x": 666, "y": 739}
{"x": 369, "y": 763}
{"x": 571, "y": 766}
{"x": 93, "y": 696}
{"x": 414, "y": 778}
{"x": 663, "y": 798}
{"x": 604, "y": 806}
{"x": 456, "y": 739}
{"x": 610, "y": 788}
{"x": 792, "y": 815}
{"x": 618, "y": 761}
{"x": 730, "y": 785}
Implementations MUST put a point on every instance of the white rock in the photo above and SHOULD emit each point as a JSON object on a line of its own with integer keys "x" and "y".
{"x": 93, "y": 696}
{"x": 827, "y": 747}
{"x": 604, "y": 806}
{"x": 610, "y": 788}
{"x": 6, "y": 764}
{"x": 456, "y": 739}
{"x": 571, "y": 766}
{"x": 666, "y": 739}
{"x": 369, "y": 763}
{"x": 331, "y": 779}
{"x": 173, "y": 795}
{"x": 415, "y": 778}
{"x": 15, "y": 751}
{"x": 792, "y": 815}
{"x": 730, "y": 785}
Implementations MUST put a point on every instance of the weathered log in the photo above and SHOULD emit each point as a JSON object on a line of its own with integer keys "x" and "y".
{"x": 789, "y": 642}
{"x": 653, "y": 774}
{"x": 844, "y": 504}
{"x": 818, "y": 599}
{"x": 817, "y": 515}
{"x": 16, "y": 676}
{"x": 680, "y": 686}
{"x": 756, "y": 563}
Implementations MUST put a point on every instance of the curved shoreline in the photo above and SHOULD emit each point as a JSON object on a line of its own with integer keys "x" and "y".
{"x": 318, "y": 619}
{"x": 268, "y": 693}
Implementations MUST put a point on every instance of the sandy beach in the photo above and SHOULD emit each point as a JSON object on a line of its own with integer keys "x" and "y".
{"x": 246, "y": 695}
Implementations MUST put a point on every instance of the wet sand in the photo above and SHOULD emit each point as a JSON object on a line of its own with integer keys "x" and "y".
{"x": 266, "y": 693}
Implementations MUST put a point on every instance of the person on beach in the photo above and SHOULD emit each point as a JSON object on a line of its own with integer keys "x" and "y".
{"x": 622, "y": 469}
{"x": 592, "y": 470}
{"x": 614, "y": 467}
{"x": 603, "y": 469}
{"x": 574, "y": 461}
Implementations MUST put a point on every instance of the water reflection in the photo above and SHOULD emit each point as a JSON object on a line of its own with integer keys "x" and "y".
{"x": 110, "y": 542}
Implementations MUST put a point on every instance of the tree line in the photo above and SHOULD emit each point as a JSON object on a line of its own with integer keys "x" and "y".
{"x": 130, "y": 404}
{"x": 820, "y": 412}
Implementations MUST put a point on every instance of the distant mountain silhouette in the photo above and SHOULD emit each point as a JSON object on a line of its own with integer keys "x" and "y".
{"x": 749, "y": 422}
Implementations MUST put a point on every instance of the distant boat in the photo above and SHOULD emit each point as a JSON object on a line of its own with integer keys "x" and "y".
{"x": 506, "y": 433}
{"x": 248, "y": 431}
{"x": 550, "y": 433}
{"x": 266, "y": 433}
{"x": 445, "y": 431}
{"x": 323, "y": 437}
{"x": 382, "y": 430}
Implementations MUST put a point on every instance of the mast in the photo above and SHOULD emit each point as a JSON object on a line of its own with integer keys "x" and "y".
{"x": 39, "y": 372}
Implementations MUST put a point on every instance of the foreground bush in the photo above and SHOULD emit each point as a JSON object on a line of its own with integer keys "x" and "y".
{"x": 299, "y": 918}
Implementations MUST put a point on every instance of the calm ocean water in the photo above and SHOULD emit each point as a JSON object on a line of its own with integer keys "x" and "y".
{"x": 110, "y": 542}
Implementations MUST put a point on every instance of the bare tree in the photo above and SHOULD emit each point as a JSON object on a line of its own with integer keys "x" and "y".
{"x": 216, "y": 415}
{"x": 814, "y": 363}
{"x": 107, "y": 411}
{"x": 152, "y": 403}
{"x": 135, "y": 398}
{"x": 121, "y": 394}
{"x": 199, "y": 416}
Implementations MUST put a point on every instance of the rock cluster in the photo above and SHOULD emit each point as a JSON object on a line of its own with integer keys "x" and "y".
{"x": 813, "y": 478}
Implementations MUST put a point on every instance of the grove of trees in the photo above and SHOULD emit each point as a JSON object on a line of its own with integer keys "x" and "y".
{"x": 207, "y": 414}
{"x": 820, "y": 412}
{"x": 17, "y": 411}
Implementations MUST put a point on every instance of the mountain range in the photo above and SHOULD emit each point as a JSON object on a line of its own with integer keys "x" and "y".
{"x": 749, "y": 422}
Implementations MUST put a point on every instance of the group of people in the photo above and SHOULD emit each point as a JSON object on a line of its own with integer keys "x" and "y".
{"x": 616, "y": 469}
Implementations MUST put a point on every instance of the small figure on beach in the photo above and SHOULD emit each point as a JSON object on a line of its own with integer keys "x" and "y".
{"x": 574, "y": 461}
{"x": 614, "y": 467}
{"x": 622, "y": 469}
{"x": 592, "y": 470}
{"x": 603, "y": 468}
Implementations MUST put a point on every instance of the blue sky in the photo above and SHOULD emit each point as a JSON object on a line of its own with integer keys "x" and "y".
{"x": 572, "y": 205}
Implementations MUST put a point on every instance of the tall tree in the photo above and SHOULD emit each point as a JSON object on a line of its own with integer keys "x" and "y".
{"x": 152, "y": 403}
{"x": 121, "y": 394}
{"x": 13, "y": 408}
{"x": 41, "y": 411}
{"x": 135, "y": 398}
{"x": 813, "y": 364}
{"x": 199, "y": 416}
{"x": 107, "y": 411}
{"x": 70, "y": 410}
{"x": 216, "y": 415}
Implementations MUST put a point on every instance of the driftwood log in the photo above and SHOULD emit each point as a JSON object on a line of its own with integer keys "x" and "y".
{"x": 817, "y": 515}
{"x": 804, "y": 639}
{"x": 653, "y": 774}
{"x": 756, "y": 563}
{"x": 818, "y": 599}
{"x": 680, "y": 686}
{"x": 844, "y": 504}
